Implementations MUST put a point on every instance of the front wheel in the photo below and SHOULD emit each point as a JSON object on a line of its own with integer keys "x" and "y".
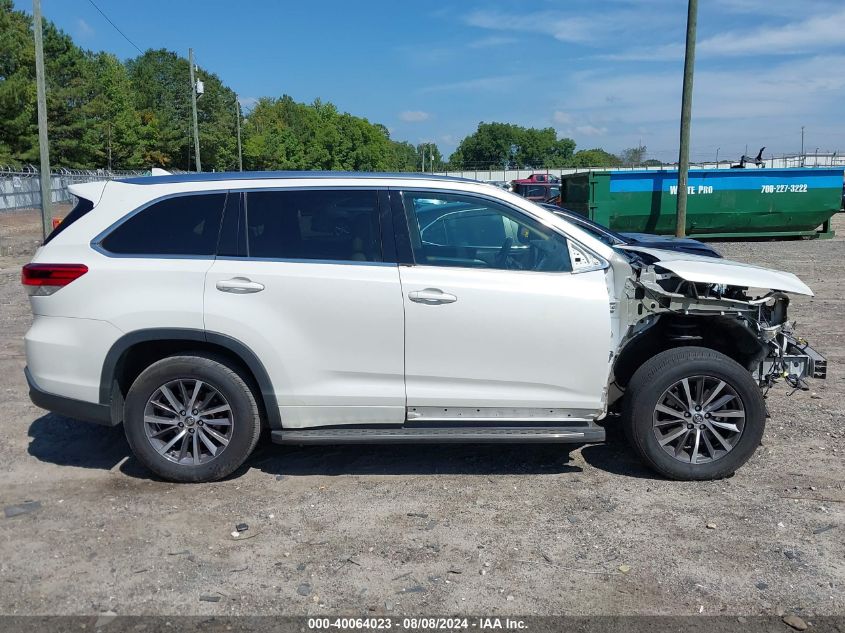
{"x": 191, "y": 418}
{"x": 693, "y": 413}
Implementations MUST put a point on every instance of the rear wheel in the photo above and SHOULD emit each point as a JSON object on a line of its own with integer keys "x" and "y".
{"x": 693, "y": 413}
{"x": 191, "y": 418}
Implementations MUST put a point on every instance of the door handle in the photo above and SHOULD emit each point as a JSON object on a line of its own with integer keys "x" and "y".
{"x": 239, "y": 286}
{"x": 431, "y": 296}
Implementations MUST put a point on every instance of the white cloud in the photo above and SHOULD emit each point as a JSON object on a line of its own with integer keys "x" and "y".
{"x": 811, "y": 35}
{"x": 590, "y": 24}
{"x": 561, "y": 117}
{"x": 492, "y": 41}
{"x": 590, "y": 130}
{"x": 732, "y": 106}
{"x": 569, "y": 28}
{"x": 414, "y": 116}
{"x": 247, "y": 103}
{"x": 815, "y": 33}
{"x": 484, "y": 84}
{"x": 83, "y": 29}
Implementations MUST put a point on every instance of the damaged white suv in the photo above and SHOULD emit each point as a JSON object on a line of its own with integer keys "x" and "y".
{"x": 376, "y": 308}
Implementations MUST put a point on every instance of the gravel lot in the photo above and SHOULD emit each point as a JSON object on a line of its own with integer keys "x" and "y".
{"x": 430, "y": 529}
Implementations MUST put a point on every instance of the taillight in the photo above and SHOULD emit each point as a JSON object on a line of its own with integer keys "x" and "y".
{"x": 45, "y": 279}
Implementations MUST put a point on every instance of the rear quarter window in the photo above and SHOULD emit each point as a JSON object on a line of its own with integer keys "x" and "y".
{"x": 183, "y": 225}
{"x": 82, "y": 207}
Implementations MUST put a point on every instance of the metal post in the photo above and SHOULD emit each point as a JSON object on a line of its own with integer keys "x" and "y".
{"x": 686, "y": 115}
{"x": 238, "y": 117}
{"x": 43, "y": 145}
{"x": 802, "y": 146}
{"x": 717, "y": 157}
{"x": 194, "y": 108}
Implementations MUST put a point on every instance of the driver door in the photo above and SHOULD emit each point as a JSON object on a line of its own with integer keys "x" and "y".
{"x": 496, "y": 324}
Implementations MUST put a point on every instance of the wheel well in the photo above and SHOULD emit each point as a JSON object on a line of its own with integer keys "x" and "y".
{"x": 126, "y": 362}
{"x": 727, "y": 335}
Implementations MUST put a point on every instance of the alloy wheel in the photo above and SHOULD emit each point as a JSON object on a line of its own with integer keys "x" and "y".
{"x": 699, "y": 419}
{"x": 188, "y": 421}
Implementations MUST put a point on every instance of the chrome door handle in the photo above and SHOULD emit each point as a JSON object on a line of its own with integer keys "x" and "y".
{"x": 431, "y": 296}
{"x": 239, "y": 286}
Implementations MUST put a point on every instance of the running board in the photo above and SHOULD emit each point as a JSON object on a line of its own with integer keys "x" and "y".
{"x": 399, "y": 435}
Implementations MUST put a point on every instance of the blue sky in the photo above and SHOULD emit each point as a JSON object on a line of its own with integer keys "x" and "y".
{"x": 605, "y": 72}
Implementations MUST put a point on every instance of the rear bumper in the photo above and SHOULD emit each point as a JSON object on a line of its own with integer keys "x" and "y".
{"x": 76, "y": 409}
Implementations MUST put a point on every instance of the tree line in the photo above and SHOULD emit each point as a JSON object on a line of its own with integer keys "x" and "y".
{"x": 136, "y": 114}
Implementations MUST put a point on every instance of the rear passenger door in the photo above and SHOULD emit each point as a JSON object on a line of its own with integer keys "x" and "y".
{"x": 303, "y": 280}
{"x": 165, "y": 248}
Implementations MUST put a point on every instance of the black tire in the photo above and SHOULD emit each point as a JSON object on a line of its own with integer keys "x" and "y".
{"x": 245, "y": 416}
{"x": 662, "y": 371}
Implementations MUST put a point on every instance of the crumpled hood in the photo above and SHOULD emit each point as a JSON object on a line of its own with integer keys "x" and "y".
{"x": 659, "y": 239}
{"x": 709, "y": 270}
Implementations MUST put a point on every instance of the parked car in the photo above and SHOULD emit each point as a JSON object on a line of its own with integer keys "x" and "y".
{"x": 542, "y": 178}
{"x": 502, "y": 184}
{"x": 534, "y": 190}
{"x": 197, "y": 309}
{"x": 647, "y": 240}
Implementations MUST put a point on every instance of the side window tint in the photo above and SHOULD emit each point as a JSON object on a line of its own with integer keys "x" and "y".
{"x": 335, "y": 225}
{"x": 82, "y": 207}
{"x": 184, "y": 225}
{"x": 470, "y": 232}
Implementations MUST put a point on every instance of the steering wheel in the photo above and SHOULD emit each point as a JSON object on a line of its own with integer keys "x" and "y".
{"x": 502, "y": 257}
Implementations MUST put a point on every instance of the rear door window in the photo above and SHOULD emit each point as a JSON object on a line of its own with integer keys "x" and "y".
{"x": 182, "y": 225}
{"x": 328, "y": 225}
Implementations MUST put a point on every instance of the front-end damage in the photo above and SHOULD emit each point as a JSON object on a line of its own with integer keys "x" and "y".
{"x": 663, "y": 308}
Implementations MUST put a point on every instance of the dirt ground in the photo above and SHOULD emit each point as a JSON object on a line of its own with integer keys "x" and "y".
{"x": 430, "y": 529}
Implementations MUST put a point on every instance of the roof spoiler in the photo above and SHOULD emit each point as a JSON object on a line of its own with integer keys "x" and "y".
{"x": 92, "y": 191}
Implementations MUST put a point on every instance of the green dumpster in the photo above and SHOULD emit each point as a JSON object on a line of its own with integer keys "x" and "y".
{"x": 721, "y": 202}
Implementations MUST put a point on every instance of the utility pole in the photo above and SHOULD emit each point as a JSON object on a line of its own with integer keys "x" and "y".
{"x": 422, "y": 146}
{"x": 802, "y": 146}
{"x": 238, "y": 118}
{"x": 43, "y": 145}
{"x": 717, "y": 157}
{"x": 194, "y": 108}
{"x": 686, "y": 115}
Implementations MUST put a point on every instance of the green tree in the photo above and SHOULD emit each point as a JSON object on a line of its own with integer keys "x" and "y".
{"x": 18, "y": 136}
{"x": 137, "y": 114}
{"x": 495, "y": 144}
{"x": 283, "y": 134}
{"x": 595, "y": 158}
{"x": 113, "y": 129}
{"x": 405, "y": 157}
{"x": 633, "y": 156}
{"x": 161, "y": 84}
{"x": 433, "y": 158}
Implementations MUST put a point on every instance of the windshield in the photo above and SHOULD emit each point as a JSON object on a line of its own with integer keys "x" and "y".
{"x": 601, "y": 233}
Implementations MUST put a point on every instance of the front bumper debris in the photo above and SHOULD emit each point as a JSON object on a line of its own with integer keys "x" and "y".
{"x": 794, "y": 361}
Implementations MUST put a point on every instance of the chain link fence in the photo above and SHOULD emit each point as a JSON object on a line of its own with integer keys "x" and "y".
{"x": 20, "y": 187}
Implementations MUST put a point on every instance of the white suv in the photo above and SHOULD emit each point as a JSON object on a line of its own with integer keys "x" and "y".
{"x": 379, "y": 308}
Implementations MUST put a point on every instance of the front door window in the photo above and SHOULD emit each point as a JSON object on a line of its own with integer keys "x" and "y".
{"x": 473, "y": 232}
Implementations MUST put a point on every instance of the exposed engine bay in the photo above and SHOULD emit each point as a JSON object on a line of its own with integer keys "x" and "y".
{"x": 662, "y": 308}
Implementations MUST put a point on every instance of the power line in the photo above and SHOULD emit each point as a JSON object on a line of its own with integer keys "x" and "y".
{"x": 108, "y": 19}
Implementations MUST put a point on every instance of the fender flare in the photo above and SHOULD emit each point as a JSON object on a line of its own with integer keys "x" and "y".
{"x": 240, "y": 350}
